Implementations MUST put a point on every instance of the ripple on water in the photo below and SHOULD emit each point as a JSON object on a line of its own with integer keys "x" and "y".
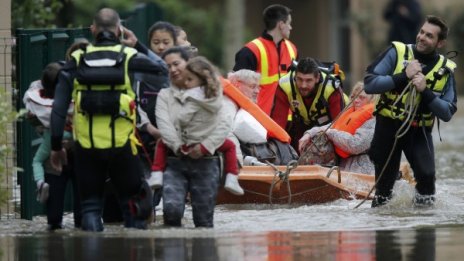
{"x": 339, "y": 215}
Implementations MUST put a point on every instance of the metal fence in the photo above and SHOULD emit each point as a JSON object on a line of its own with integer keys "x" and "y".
{"x": 9, "y": 183}
{"x": 35, "y": 49}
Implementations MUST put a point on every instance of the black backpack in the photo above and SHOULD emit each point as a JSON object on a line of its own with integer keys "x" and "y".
{"x": 274, "y": 151}
{"x": 147, "y": 93}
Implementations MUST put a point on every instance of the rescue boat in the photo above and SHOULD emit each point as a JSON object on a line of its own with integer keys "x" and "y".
{"x": 306, "y": 184}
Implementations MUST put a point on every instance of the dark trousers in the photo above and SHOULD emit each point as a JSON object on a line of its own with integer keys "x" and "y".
{"x": 200, "y": 177}
{"x": 57, "y": 190}
{"x": 417, "y": 146}
{"x": 94, "y": 166}
{"x": 146, "y": 153}
{"x": 112, "y": 212}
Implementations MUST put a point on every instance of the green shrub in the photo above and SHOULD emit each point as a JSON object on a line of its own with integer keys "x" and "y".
{"x": 203, "y": 27}
{"x": 34, "y": 14}
{"x": 7, "y": 117}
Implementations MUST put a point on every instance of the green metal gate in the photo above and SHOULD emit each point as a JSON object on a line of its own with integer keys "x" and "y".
{"x": 141, "y": 18}
{"x": 35, "y": 49}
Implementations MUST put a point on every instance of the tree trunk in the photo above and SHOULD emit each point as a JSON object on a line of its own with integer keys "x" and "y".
{"x": 234, "y": 28}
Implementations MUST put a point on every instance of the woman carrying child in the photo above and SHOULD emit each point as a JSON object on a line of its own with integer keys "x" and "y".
{"x": 191, "y": 121}
{"x": 201, "y": 101}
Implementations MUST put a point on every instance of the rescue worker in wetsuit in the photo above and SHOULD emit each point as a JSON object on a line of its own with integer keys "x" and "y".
{"x": 271, "y": 54}
{"x": 416, "y": 68}
{"x": 313, "y": 96}
{"x": 100, "y": 81}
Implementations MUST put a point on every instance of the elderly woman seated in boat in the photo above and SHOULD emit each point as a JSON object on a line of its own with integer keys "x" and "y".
{"x": 351, "y": 135}
{"x": 257, "y": 137}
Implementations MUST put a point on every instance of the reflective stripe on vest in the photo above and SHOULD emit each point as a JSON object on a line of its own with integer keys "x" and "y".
{"x": 102, "y": 131}
{"x": 435, "y": 78}
{"x": 291, "y": 51}
{"x": 268, "y": 65}
{"x": 313, "y": 117}
{"x": 267, "y": 76}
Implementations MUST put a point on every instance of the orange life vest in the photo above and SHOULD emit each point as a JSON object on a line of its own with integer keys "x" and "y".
{"x": 273, "y": 129}
{"x": 350, "y": 121}
{"x": 271, "y": 65}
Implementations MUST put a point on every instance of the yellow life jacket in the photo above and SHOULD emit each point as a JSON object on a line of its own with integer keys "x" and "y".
{"x": 105, "y": 109}
{"x": 435, "y": 80}
{"x": 318, "y": 113}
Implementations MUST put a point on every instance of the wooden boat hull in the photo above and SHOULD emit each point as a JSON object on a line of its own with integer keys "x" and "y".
{"x": 308, "y": 185}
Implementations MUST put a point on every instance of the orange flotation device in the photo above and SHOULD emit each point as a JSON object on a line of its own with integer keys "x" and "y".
{"x": 350, "y": 121}
{"x": 273, "y": 129}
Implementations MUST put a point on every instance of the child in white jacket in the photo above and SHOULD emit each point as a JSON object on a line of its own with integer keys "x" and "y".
{"x": 201, "y": 101}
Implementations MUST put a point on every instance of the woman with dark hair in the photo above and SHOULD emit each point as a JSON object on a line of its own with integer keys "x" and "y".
{"x": 194, "y": 173}
{"x": 200, "y": 100}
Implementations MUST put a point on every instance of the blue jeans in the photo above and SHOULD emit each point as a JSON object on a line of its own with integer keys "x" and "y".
{"x": 200, "y": 177}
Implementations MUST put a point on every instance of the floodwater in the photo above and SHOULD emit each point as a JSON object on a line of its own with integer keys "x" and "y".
{"x": 334, "y": 231}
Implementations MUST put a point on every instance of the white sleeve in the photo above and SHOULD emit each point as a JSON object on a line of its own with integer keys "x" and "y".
{"x": 356, "y": 143}
{"x": 165, "y": 124}
{"x": 222, "y": 130}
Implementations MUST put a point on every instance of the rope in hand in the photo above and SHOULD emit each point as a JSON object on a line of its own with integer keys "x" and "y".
{"x": 409, "y": 113}
{"x": 282, "y": 176}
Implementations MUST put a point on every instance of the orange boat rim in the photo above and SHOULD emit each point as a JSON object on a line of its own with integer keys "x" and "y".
{"x": 307, "y": 184}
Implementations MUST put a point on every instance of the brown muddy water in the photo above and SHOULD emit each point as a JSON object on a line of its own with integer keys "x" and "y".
{"x": 335, "y": 231}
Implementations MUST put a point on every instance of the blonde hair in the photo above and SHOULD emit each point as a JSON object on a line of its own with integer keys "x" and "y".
{"x": 358, "y": 88}
{"x": 205, "y": 70}
{"x": 243, "y": 75}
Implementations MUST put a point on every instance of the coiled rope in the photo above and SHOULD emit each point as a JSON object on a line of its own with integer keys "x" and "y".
{"x": 409, "y": 113}
{"x": 282, "y": 176}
